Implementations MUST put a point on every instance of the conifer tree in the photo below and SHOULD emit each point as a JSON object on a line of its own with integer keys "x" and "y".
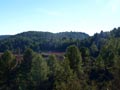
{"x": 39, "y": 72}
{"x": 75, "y": 59}
{"x": 7, "y": 71}
{"x": 24, "y": 70}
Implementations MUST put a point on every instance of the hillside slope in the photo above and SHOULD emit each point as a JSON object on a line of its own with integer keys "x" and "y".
{"x": 96, "y": 42}
{"x": 4, "y": 36}
{"x": 41, "y": 41}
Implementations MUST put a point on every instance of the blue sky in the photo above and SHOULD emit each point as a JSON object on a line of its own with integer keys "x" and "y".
{"x": 88, "y": 16}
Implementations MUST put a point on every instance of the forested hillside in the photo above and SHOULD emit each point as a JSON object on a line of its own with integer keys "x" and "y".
{"x": 89, "y": 64}
{"x": 99, "y": 40}
{"x": 41, "y": 41}
{"x": 4, "y": 36}
{"x": 55, "y": 42}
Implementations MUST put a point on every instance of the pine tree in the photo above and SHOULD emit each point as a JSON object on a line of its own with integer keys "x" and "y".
{"x": 66, "y": 79}
{"x": 7, "y": 71}
{"x": 39, "y": 72}
{"x": 24, "y": 70}
{"x": 55, "y": 69}
{"x": 75, "y": 59}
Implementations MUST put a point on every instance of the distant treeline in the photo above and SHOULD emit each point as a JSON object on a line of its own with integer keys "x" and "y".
{"x": 40, "y": 41}
{"x": 55, "y": 42}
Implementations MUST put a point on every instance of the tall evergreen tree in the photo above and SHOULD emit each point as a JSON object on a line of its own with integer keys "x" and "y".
{"x": 7, "y": 71}
{"x": 66, "y": 79}
{"x": 39, "y": 73}
{"x": 55, "y": 69}
{"x": 24, "y": 70}
{"x": 75, "y": 59}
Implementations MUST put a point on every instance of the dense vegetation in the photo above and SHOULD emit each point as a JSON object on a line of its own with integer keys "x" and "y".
{"x": 90, "y": 64}
{"x": 4, "y": 36}
{"x": 41, "y": 41}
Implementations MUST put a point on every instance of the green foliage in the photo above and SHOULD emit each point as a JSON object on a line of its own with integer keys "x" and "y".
{"x": 53, "y": 64}
{"x": 24, "y": 70}
{"x": 41, "y": 41}
{"x": 94, "y": 50}
{"x": 39, "y": 72}
{"x": 4, "y": 36}
{"x": 55, "y": 69}
{"x": 65, "y": 79}
{"x": 7, "y": 71}
{"x": 75, "y": 59}
{"x": 27, "y": 61}
{"x": 93, "y": 64}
